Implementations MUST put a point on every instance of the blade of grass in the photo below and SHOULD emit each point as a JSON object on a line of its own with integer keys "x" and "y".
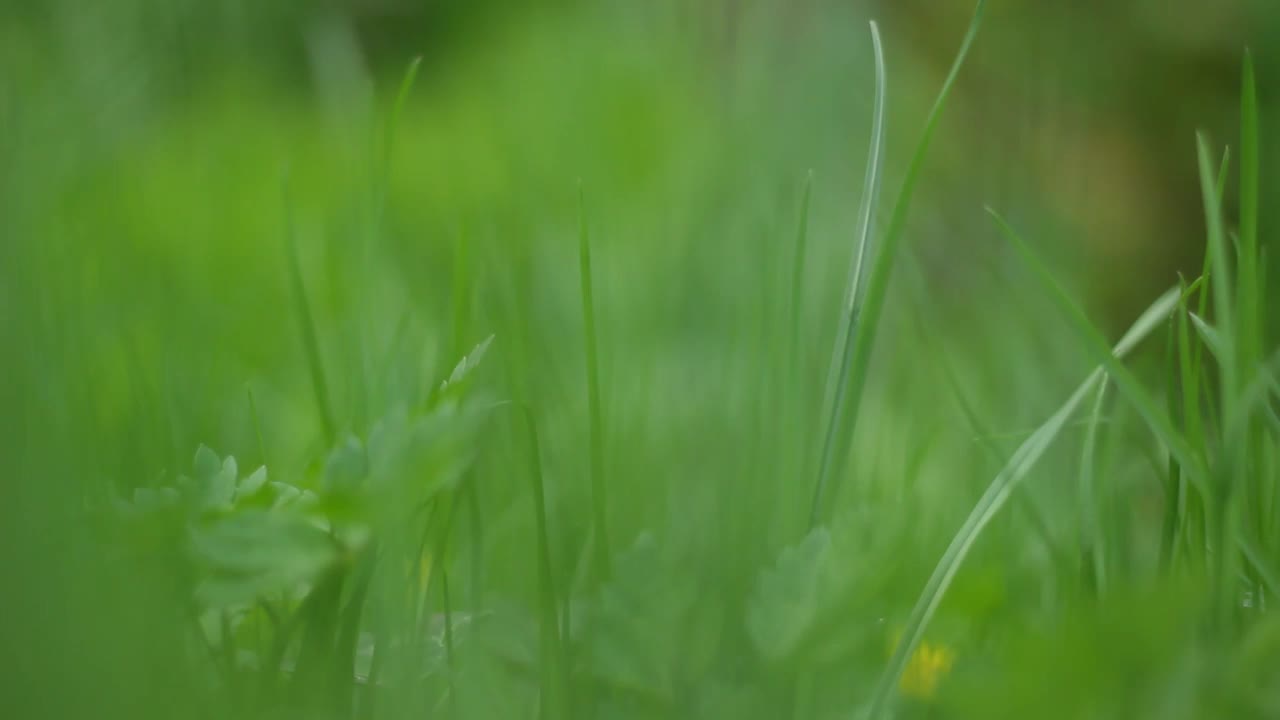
{"x": 1222, "y": 286}
{"x": 397, "y": 108}
{"x": 1202, "y": 307}
{"x": 878, "y": 280}
{"x": 1221, "y": 517}
{"x": 1174, "y": 498}
{"x": 977, "y": 428}
{"x": 1126, "y": 383}
{"x": 997, "y": 494}
{"x": 599, "y": 498}
{"x": 554, "y": 686}
{"x": 1091, "y": 525}
{"x": 1194, "y": 507}
{"x": 310, "y": 340}
{"x": 842, "y": 350}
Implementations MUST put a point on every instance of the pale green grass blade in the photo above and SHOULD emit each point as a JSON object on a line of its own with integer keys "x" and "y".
{"x": 599, "y": 498}
{"x": 1221, "y": 285}
{"x": 1209, "y": 335}
{"x": 393, "y": 121}
{"x": 1126, "y": 383}
{"x": 878, "y": 280}
{"x": 842, "y": 350}
{"x": 1091, "y": 523}
{"x": 1193, "y": 509}
{"x": 997, "y": 494}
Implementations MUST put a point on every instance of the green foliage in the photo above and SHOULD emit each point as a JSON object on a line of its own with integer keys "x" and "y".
{"x": 505, "y": 484}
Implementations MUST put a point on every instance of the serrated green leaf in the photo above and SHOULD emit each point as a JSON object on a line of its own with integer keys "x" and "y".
{"x": 812, "y": 605}
{"x": 252, "y": 553}
{"x": 467, "y": 364}
{"x": 206, "y": 463}
{"x": 639, "y": 637}
{"x": 786, "y": 601}
{"x": 252, "y": 483}
{"x": 347, "y": 466}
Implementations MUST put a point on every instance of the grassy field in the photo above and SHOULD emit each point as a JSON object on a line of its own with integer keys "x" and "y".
{"x": 598, "y": 363}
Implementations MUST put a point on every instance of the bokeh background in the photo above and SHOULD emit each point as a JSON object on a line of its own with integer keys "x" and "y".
{"x": 155, "y": 153}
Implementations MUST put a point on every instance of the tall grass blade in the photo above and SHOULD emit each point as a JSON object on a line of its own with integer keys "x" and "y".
{"x": 1222, "y": 285}
{"x": 554, "y": 686}
{"x": 1092, "y": 527}
{"x": 997, "y": 494}
{"x": 878, "y": 280}
{"x": 1126, "y": 382}
{"x": 842, "y": 350}
{"x": 393, "y": 122}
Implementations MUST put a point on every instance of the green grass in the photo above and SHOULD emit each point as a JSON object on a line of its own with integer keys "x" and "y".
{"x": 526, "y": 449}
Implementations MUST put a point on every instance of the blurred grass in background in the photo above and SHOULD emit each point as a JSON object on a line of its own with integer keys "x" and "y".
{"x": 157, "y": 157}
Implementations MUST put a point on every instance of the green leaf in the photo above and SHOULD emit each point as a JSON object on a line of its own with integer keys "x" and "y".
{"x": 253, "y": 553}
{"x": 206, "y": 463}
{"x": 346, "y": 467}
{"x": 1121, "y": 376}
{"x": 466, "y": 365}
{"x": 788, "y": 597}
{"x": 252, "y": 483}
{"x": 639, "y": 638}
{"x": 1209, "y": 334}
{"x": 815, "y": 604}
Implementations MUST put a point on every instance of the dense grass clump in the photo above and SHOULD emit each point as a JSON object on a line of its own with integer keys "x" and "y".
{"x": 362, "y": 440}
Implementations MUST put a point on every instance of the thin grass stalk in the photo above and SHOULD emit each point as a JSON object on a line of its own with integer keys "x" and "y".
{"x": 878, "y": 281}
{"x": 1171, "y": 529}
{"x": 996, "y": 496}
{"x": 1125, "y": 381}
{"x": 1092, "y": 525}
{"x": 554, "y": 697}
{"x": 842, "y": 350}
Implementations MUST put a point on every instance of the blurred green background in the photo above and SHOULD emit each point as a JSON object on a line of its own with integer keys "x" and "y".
{"x": 155, "y": 155}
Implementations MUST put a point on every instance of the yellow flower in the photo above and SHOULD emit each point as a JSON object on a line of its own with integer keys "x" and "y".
{"x": 925, "y": 669}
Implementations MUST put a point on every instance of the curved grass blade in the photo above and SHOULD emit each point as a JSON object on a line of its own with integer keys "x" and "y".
{"x": 1126, "y": 383}
{"x": 842, "y": 351}
{"x": 997, "y": 494}
{"x": 1209, "y": 335}
{"x": 878, "y": 281}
